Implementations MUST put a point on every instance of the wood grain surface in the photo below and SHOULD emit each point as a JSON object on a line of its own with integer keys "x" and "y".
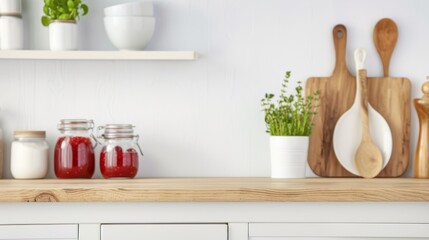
{"x": 215, "y": 190}
{"x": 385, "y": 38}
{"x": 368, "y": 158}
{"x": 337, "y": 94}
{"x": 390, "y": 96}
{"x": 421, "y": 158}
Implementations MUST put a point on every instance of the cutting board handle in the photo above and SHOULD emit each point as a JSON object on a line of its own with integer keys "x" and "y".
{"x": 340, "y": 42}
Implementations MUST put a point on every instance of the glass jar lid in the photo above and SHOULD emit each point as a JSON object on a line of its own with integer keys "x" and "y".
{"x": 112, "y": 131}
{"x": 118, "y": 131}
{"x": 29, "y": 134}
{"x": 75, "y": 124}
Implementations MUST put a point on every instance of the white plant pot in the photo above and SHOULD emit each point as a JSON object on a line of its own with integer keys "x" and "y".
{"x": 288, "y": 156}
{"x": 63, "y": 35}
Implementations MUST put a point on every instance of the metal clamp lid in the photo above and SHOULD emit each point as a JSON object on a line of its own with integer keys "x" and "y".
{"x": 117, "y": 131}
{"x": 78, "y": 125}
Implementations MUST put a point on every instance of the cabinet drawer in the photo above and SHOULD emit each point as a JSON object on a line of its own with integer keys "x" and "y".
{"x": 164, "y": 232}
{"x": 39, "y": 232}
{"x": 280, "y": 231}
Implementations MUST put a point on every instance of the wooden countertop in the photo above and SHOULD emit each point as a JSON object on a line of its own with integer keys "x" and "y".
{"x": 216, "y": 190}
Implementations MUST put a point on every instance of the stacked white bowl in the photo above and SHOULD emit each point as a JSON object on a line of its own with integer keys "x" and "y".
{"x": 130, "y": 26}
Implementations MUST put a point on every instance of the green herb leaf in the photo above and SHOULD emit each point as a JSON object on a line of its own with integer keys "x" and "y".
{"x": 46, "y": 21}
{"x": 85, "y": 9}
{"x": 70, "y": 4}
{"x": 46, "y": 10}
{"x": 293, "y": 114}
{"x": 65, "y": 16}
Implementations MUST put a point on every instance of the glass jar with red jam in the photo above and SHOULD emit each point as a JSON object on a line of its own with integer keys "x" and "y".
{"x": 74, "y": 151}
{"x": 119, "y": 157}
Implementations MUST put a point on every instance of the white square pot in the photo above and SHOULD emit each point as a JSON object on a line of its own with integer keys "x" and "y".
{"x": 63, "y": 35}
{"x": 288, "y": 156}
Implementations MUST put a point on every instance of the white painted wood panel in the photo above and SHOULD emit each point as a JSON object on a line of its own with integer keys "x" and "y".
{"x": 164, "y": 232}
{"x": 89, "y": 231}
{"x": 203, "y": 118}
{"x": 29, "y": 232}
{"x": 349, "y": 230}
{"x": 66, "y": 213}
{"x": 238, "y": 231}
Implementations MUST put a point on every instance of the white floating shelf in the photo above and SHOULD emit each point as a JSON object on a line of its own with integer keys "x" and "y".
{"x": 97, "y": 55}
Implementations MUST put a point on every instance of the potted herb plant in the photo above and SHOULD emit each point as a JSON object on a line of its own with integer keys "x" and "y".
{"x": 61, "y": 16}
{"x": 289, "y": 122}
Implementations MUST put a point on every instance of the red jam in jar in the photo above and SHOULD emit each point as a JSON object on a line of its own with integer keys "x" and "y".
{"x": 74, "y": 154}
{"x": 119, "y": 156}
{"x": 74, "y": 158}
{"x": 119, "y": 163}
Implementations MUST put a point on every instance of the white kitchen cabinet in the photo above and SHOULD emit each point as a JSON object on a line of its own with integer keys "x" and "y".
{"x": 323, "y": 231}
{"x": 164, "y": 231}
{"x": 39, "y": 232}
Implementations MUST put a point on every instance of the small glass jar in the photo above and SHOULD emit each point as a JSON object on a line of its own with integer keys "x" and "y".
{"x": 74, "y": 152}
{"x": 119, "y": 156}
{"x": 29, "y": 155}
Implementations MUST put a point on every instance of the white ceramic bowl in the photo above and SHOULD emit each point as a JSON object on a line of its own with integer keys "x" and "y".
{"x": 129, "y": 33}
{"x": 130, "y": 9}
{"x": 10, "y": 6}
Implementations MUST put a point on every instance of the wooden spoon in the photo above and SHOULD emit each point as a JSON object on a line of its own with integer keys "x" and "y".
{"x": 368, "y": 157}
{"x": 385, "y": 38}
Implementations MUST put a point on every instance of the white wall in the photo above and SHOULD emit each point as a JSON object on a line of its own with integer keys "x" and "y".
{"x": 202, "y": 118}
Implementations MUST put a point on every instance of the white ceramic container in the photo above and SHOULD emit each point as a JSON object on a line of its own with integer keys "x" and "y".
{"x": 63, "y": 35}
{"x": 288, "y": 156}
{"x": 129, "y": 33}
{"x": 29, "y": 157}
{"x": 130, "y": 9}
{"x": 10, "y": 6}
{"x": 11, "y": 33}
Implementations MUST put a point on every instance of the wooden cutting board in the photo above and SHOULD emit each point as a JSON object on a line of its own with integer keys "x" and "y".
{"x": 392, "y": 98}
{"x": 337, "y": 93}
{"x": 389, "y": 96}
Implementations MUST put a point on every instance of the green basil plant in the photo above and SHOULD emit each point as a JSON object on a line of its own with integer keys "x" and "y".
{"x": 63, "y": 10}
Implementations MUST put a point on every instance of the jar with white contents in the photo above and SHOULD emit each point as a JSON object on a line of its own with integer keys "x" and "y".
{"x": 29, "y": 155}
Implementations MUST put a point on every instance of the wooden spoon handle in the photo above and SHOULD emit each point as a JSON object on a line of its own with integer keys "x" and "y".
{"x": 364, "y": 105}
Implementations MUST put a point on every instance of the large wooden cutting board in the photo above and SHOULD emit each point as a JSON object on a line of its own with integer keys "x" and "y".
{"x": 337, "y": 93}
{"x": 390, "y": 96}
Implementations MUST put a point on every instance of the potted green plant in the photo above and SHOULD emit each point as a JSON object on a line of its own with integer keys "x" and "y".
{"x": 289, "y": 122}
{"x": 61, "y": 16}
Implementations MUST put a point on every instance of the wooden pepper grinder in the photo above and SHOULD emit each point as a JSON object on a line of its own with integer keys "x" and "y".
{"x": 421, "y": 159}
